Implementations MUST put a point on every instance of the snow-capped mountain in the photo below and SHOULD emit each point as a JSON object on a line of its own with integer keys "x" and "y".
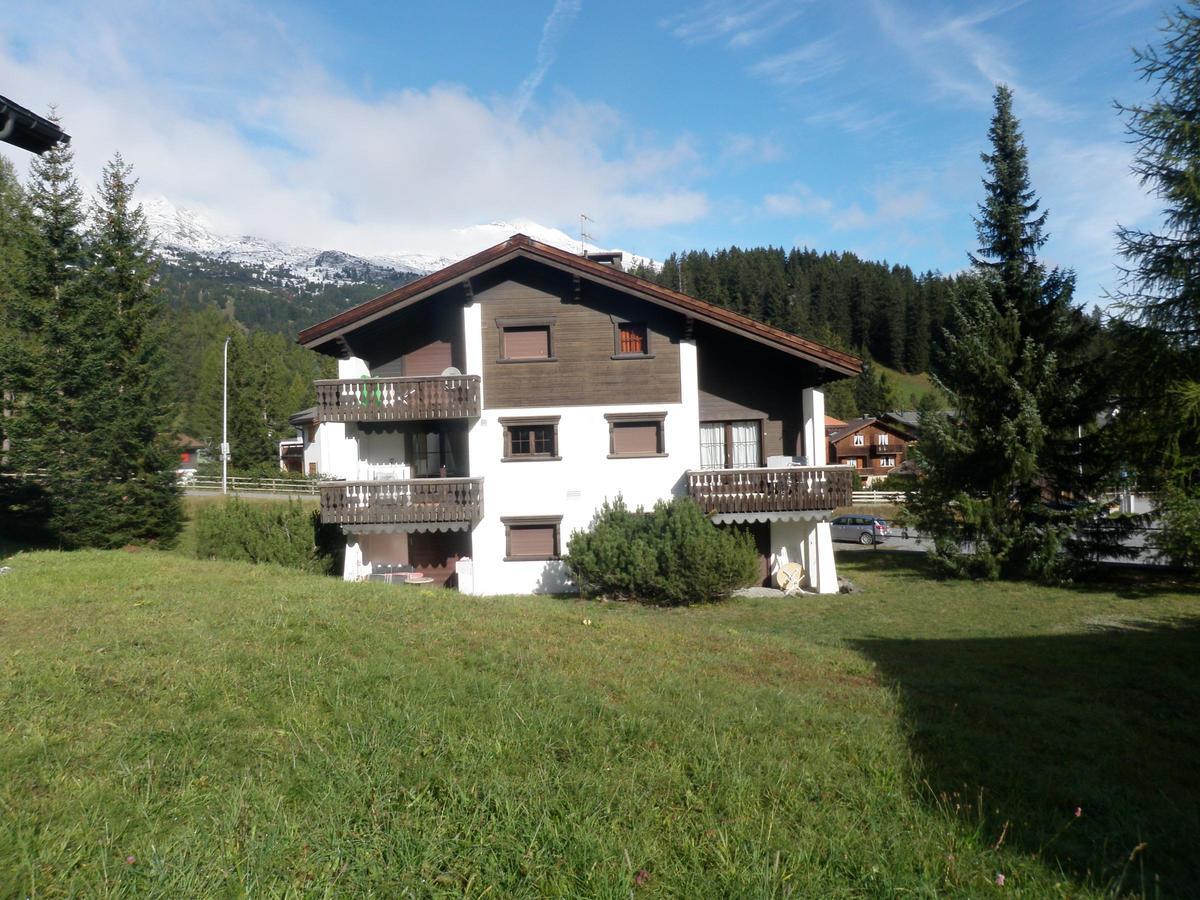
{"x": 179, "y": 232}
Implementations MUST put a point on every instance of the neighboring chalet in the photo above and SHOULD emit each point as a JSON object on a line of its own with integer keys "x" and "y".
{"x": 300, "y": 454}
{"x": 485, "y": 411}
{"x": 875, "y": 447}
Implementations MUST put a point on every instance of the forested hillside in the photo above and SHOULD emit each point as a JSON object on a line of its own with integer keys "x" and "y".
{"x": 886, "y": 313}
{"x": 270, "y": 375}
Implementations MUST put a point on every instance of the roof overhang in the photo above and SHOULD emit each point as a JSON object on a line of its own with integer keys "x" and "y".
{"x": 28, "y": 130}
{"x": 336, "y": 329}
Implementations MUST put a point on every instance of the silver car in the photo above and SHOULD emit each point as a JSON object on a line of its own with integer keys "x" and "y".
{"x": 865, "y": 530}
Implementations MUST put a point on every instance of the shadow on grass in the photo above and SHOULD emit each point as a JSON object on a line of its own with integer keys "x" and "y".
{"x": 1123, "y": 580}
{"x": 1104, "y": 721}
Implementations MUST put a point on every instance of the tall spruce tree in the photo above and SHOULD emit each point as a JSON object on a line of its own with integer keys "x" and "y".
{"x": 1019, "y": 366}
{"x": 47, "y": 431}
{"x": 1160, "y": 293}
{"x": 129, "y": 409}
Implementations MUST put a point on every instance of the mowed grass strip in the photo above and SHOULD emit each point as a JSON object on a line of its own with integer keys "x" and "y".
{"x": 186, "y": 728}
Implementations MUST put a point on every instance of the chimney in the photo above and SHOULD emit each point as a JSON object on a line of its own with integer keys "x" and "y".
{"x": 607, "y": 258}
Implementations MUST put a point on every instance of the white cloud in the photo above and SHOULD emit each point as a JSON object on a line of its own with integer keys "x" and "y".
{"x": 808, "y": 62}
{"x": 555, "y": 27}
{"x": 888, "y": 206}
{"x": 1088, "y": 189}
{"x": 239, "y": 123}
{"x": 751, "y": 148}
{"x": 739, "y": 24}
{"x": 960, "y": 58}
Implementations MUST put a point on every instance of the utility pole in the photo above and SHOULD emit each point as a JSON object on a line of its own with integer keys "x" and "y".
{"x": 225, "y": 418}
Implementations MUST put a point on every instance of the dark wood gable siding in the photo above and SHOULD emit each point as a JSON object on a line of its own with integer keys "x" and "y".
{"x": 740, "y": 379}
{"x": 424, "y": 339}
{"x": 583, "y": 371}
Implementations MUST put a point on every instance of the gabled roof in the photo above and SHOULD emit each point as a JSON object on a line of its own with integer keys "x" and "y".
{"x": 28, "y": 130}
{"x": 522, "y": 246}
{"x": 831, "y": 422}
{"x": 836, "y": 434}
{"x": 304, "y": 417}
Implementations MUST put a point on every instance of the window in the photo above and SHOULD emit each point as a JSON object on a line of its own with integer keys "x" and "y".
{"x": 523, "y": 340}
{"x": 888, "y": 462}
{"x": 531, "y": 537}
{"x": 859, "y": 440}
{"x": 731, "y": 445}
{"x": 528, "y": 439}
{"x": 883, "y": 439}
{"x": 632, "y": 340}
{"x": 312, "y": 468}
{"x": 635, "y": 434}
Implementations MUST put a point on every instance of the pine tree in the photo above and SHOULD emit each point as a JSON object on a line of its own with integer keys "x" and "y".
{"x": 131, "y": 449}
{"x": 1160, "y": 292}
{"x": 23, "y": 500}
{"x": 48, "y": 431}
{"x": 1021, "y": 367}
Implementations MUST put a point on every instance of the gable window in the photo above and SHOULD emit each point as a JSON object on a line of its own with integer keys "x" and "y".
{"x": 529, "y": 439}
{"x": 525, "y": 340}
{"x": 731, "y": 445}
{"x": 531, "y": 537}
{"x": 632, "y": 340}
{"x": 883, "y": 440}
{"x": 635, "y": 434}
{"x": 859, "y": 440}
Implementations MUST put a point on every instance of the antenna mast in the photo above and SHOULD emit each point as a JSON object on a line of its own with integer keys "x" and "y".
{"x": 583, "y": 234}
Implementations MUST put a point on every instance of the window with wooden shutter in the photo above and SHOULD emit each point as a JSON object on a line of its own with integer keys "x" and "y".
{"x": 523, "y": 340}
{"x": 531, "y": 537}
{"x": 632, "y": 339}
{"x": 635, "y": 434}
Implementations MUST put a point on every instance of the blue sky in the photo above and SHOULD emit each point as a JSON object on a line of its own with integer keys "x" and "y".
{"x": 382, "y": 127}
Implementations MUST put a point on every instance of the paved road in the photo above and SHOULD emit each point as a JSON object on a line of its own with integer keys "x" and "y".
{"x": 916, "y": 544}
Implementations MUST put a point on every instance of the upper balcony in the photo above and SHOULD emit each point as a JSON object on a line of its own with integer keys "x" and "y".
{"x": 415, "y": 504}
{"x": 398, "y": 399}
{"x": 747, "y": 495}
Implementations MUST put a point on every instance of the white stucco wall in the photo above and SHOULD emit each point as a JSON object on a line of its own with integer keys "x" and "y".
{"x": 574, "y": 486}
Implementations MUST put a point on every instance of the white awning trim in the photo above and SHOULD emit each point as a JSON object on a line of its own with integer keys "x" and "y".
{"x": 406, "y": 528}
{"x": 811, "y": 515}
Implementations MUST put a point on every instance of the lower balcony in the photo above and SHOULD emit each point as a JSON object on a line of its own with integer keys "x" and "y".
{"x": 417, "y": 504}
{"x": 749, "y": 495}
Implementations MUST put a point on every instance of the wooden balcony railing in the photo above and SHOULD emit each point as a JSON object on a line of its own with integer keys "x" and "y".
{"x": 417, "y": 501}
{"x": 793, "y": 489}
{"x": 398, "y": 399}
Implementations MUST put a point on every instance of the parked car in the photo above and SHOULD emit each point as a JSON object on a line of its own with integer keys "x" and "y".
{"x": 864, "y": 529}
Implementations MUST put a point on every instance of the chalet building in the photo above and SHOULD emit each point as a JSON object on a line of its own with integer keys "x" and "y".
{"x": 484, "y": 412}
{"x": 875, "y": 447}
{"x": 300, "y": 454}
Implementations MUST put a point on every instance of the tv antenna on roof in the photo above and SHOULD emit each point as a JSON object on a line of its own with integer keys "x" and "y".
{"x": 583, "y": 235}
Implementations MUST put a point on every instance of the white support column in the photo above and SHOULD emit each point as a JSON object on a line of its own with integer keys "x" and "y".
{"x": 353, "y": 368}
{"x": 353, "y": 560}
{"x": 818, "y": 555}
{"x": 815, "y": 442}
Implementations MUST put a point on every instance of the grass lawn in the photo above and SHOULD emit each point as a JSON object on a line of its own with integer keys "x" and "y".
{"x": 909, "y": 385}
{"x": 182, "y": 728}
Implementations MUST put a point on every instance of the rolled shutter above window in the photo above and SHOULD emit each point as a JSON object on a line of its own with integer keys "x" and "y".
{"x": 635, "y": 437}
{"x": 527, "y": 342}
{"x": 636, "y": 434}
{"x": 535, "y": 538}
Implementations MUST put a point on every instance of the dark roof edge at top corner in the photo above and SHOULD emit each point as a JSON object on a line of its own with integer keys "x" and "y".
{"x": 26, "y": 129}
{"x": 521, "y": 244}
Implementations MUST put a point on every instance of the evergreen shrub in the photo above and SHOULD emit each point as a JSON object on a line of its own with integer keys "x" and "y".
{"x": 670, "y": 556}
{"x": 286, "y": 534}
